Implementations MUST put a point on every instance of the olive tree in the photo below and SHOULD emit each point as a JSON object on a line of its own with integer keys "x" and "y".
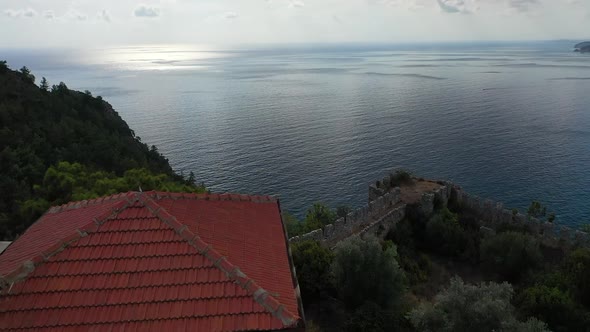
{"x": 463, "y": 307}
{"x": 363, "y": 271}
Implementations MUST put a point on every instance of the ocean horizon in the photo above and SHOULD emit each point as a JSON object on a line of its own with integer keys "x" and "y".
{"x": 509, "y": 121}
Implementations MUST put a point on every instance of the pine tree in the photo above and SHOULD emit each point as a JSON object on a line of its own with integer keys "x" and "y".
{"x": 44, "y": 85}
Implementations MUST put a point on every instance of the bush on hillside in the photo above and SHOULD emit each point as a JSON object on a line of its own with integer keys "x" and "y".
{"x": 401, "y": 177}
{"x": 293, "y": 225}
{"x": 465, "y": 308}
{"x": 553, "y": 306}
{"x": 312, "y": 263}
{"x": 371, "y": 317}
{"x": 318, "y": 216}
{"x": 363, "y": 271}
{"x": 445, "y": 235}
{"x": 510, "y": 254}
{"x": 577, "y": 269}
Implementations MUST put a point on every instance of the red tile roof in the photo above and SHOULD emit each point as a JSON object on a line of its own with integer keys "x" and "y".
{"x": 152, "y": 261}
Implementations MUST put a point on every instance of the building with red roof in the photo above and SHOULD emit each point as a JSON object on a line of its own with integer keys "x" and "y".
{"x": 153, "y": 261}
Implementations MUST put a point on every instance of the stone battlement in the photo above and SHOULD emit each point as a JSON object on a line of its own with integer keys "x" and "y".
{"x": 386, "y": 208}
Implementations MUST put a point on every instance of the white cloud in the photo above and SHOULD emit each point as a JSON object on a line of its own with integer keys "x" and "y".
{"x": 230, "y": 15}
{"x": 104, "y": 16}
{"x": 296, "y": 4}
{"x": 16, "y": 13}
{"x": 76, "y": 15}
{"x": 523, "y": 5}
{"x": 453, "y": 6}
{"x": 49, "y": 14}
{"x": 146, "y": 11}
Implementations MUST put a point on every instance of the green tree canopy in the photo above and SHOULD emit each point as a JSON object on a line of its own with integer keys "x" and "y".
{"x": 511, "y": 254}
{"x": 312, "y": 263}
{"x": 363, "y": 271}
{"x": 577, "y": 268}
{"x": 41, "y": 129}
{"x": 466, "y": 308}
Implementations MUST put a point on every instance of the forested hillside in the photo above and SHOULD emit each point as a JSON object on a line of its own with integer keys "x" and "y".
{"x": 58, "y": 145}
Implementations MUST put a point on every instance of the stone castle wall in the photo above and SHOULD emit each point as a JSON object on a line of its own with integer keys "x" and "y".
{"x": 379, "y": 215}
{"x": 493, "y": 214}
{"x": 385, "y": 210}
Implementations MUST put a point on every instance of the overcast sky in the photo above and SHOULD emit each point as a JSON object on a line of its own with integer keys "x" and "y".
{"x": 46, "y": 23}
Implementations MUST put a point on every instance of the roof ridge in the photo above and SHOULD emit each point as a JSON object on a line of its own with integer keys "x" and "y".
{"x": 29, "y": 265}
{"x": 212, "y": 196}
{"x": 232, "y": 272}
{"x": 73, "y": 205}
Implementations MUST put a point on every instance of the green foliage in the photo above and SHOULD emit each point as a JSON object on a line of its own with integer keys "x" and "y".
{"x": 510, "y": 254}
{"x": 577, "y": 269}
{"x": 42, "y": 129}
{"x": 312, "y": 263}
{"x": 27, "y": 74}
{"x": 318, "y": 216}
{"x": 293, "y": 225}
{"x": 585, "y": 228}
{"x": 401, "y": 177}
{"x": 402, "y": 234}
{"x": 464, "y": 307}
{"x": 445, "y": 235}
{"x": 73, "y": 182}
{"x": 44, "y": 85}
{"x": 364, "y": 272}
{"x": 553, "y": 306}
{"x": 536, "y": 210}
{"x": 371, "y": 317}
{"x": 3, "y": 66}
{"x": 416, "y": 266}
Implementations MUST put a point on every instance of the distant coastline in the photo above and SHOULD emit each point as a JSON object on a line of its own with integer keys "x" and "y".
{"x": 583, "y": 47}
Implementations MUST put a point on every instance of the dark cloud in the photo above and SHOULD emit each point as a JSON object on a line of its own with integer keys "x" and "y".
{"x": 146, "y": 11}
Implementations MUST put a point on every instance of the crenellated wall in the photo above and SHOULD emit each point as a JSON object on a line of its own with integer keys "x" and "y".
{"x": 385, "y": 209}
{"x": 380, "y": 214}
{"x": 493, "y": 214}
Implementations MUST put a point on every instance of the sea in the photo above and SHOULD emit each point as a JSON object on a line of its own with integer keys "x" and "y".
{"x": 509, "y": 121}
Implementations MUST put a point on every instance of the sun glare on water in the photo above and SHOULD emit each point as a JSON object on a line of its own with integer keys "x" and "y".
{"x": 157, "y": 57}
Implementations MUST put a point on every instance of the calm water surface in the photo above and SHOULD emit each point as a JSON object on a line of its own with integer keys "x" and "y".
{"x": 509, "y": 122}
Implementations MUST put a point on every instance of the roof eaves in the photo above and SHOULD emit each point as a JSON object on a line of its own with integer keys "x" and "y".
{"x": 28, "y": 266}
{"x": 260, "y": 295}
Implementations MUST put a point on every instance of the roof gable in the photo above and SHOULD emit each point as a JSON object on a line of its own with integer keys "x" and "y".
{"x": 138, "y": 266}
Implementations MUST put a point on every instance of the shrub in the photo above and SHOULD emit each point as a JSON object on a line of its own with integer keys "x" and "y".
{"x": 510, "y": 254}
{"x": 402, "y": 234}
{"x": 553, "y": 306}
{"x": 318, "y": 216}
{"x": 445, "y": 235}
{"x": 363, "y": 272}
{"x": 577, "y": 270}
{"x": 312, "y": 263}
{"x": 294, "y": 227}
{"x": 463, "y": 307}
{"x": 417, "y": 267}
{"x": 371, "y": 317}
{"x": 401, "y": 177}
